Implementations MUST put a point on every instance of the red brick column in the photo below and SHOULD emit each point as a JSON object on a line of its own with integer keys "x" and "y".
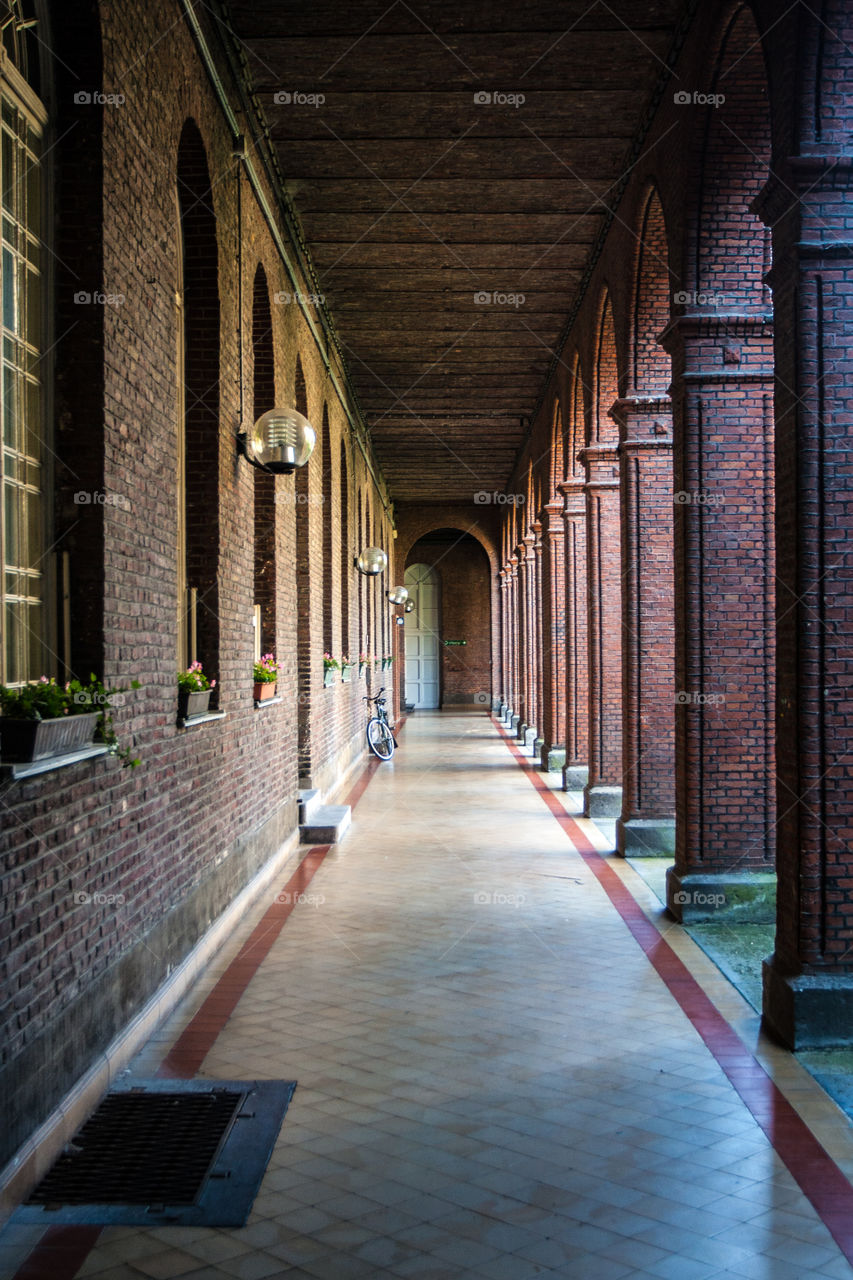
{"x": 503, "y": 598}
{"x": 537, "y": 674}
{"x": 525, "y": 660}
{"x": 808, "y": 983}
{"x": 723, "y": 468}
{"x": 553, "y": 724}
{"x": 518, "y": 636}
{"x": 513, "y": 635}
{"x": 575, "y": 770}
{"x": 647, "y": 824}
{"x": 603, "y": 791}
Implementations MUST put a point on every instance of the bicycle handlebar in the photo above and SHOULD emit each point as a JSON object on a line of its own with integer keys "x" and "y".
{"x": 367, "y": 697}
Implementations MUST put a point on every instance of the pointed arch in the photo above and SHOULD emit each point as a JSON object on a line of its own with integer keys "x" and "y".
{"x": 606, "y": 388}
{"x": 651, "y": 369}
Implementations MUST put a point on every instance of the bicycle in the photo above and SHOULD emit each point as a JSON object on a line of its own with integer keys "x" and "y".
{"x": 380, "y": 734}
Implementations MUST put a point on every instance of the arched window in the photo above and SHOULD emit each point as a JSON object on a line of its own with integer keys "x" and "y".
{"x": 263, "y": 384}
{"x": 198, "y": 426}
{"x": 328, "y": 537}
{"x": 25, "y": 619}
{"x": 346, "y": 554}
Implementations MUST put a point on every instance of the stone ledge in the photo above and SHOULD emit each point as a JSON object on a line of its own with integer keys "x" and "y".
{"x": 189, "y": 722}
{"x": 31, "y": 769}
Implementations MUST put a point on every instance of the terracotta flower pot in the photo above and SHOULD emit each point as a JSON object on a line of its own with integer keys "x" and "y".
{"x": 264, "y": 690}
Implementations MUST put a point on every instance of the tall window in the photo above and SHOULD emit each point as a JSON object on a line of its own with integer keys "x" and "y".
{"x": 198, "y": 404}
{"x": 346, "y": 560}
{"x": 264, "y": 500}
{"x": 23, "y": 533}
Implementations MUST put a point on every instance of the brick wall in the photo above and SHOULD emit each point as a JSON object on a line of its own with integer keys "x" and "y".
{"x": 168, "y": 845}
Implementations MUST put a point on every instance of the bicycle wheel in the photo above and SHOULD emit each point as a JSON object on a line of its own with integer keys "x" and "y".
{"x": 379, "y": 738}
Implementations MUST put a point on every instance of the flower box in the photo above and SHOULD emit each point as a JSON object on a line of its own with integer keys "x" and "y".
{"x": 328, "y": 676}
{"x": 362, "y": 667}
{"x": 25, "y": 741}
{"x": 346, "y": 674}
{"x": 264, "y": 690}
{"x": 193, "y": 702}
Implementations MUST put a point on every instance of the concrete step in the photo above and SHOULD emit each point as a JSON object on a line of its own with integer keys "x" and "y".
{"x": 309, "y": 803}
{"x": 326, "y": 825}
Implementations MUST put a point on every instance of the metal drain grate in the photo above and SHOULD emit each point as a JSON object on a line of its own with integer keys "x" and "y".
{"x": 142, "y": 1148}
{"x": 166, "y": 1152}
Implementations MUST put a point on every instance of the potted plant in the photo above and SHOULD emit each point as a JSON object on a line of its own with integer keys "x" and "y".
{"x": 330, "y": 666}
{"x": 194, "y": 690}
{"x": 346, "y": 670}
{"x": 363, "y": 663}
{"x": 42, "y": 720}
{"x": 386, "y": 662}
{"x": 265, "y": 672}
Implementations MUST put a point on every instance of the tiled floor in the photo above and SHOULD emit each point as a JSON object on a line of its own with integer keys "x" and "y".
{"x": 494, "y": 1080}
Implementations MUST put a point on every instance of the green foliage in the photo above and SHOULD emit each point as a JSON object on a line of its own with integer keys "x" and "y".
{"x": 44, "y": 699}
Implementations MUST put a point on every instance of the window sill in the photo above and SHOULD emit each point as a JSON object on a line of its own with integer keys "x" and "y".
{"x": 267, "y": 702}
{"x": 190, "y": 722}
{"x": 18, "y": 772}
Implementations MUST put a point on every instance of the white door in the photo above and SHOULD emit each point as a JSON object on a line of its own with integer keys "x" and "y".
{"x": 423, "y": 686}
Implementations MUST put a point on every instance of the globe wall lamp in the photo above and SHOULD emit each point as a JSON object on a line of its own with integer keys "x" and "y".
{"x": 280, "y": 441}
{"x": 409, "y": 606}
{"x": 371, "y": 561}
{"x": 399, "y": 595}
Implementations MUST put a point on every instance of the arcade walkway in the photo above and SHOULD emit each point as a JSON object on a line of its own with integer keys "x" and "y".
{"x": 505, "y": 1071}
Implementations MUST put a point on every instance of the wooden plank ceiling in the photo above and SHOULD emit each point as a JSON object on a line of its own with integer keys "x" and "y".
{"x": 416, "y": 199}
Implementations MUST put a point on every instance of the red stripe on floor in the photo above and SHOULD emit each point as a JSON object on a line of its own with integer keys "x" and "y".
{"x": 61, "y": 1251}
{"x": 816, "y": 1173}
{"x": 192, "y": 1046}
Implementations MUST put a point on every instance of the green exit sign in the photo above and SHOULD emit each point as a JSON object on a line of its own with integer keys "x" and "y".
{"x": 448, "y": 642}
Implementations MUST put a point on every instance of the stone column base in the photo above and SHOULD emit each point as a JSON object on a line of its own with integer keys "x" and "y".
{"x": 553, "y": 758}
{"x": 498, "y": 707}
{"x": 602, "y": 802}
{"x": 807, "y": 1010}
{"x": 529, "y": 735}
{"x": 575, "y": 777}
{"x": 729, "y": 895}
{"x": 514, "y": 722}
{"x": 538, "y": 744}
{"x": 646, "y": 838}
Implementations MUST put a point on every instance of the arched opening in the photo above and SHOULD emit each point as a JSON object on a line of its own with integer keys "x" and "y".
{"x": 644, "y": 418}
{"x": 461, "y": 625}
{"x": 603, "y": 797}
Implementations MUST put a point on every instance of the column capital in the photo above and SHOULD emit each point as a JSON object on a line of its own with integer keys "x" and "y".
{"x": 574, "y": 502}
{"x": 645, "y": 422}
{"x": 601, "y": 462}
{"x": 798, "y": 181}
{"x": 553, "y": 511}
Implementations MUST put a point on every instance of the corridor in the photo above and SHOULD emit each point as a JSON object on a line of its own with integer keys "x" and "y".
{"x": 504, "y": 1070}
